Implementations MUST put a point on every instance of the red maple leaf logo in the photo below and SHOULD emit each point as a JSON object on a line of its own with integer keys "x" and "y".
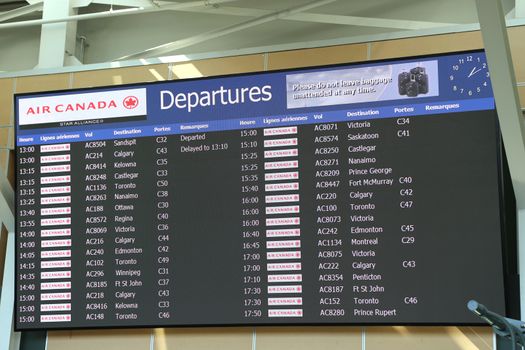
{"x": 130, "y": 102}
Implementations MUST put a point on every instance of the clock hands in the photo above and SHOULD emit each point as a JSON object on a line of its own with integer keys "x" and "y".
{"x": 473, "y": 71}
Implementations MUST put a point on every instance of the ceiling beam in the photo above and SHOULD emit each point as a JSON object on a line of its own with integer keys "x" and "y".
{"x": 367, "y": 21}
{"x": 21, "y": 11}
{"x": 112, "y": 13}
{"x": 323, "y": 18}
{"x": 519, "y": 8}
{"x": 167, "y": 48}
{"x": 131, "y": 3}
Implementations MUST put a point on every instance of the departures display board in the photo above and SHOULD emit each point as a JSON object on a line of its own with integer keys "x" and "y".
{"x": 352, "y": 194}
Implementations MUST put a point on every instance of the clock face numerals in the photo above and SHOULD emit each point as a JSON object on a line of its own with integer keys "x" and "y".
{"x": 469, "y": 75}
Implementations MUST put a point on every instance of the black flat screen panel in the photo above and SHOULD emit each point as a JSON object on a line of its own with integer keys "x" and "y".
{"x": 353, "y": 194}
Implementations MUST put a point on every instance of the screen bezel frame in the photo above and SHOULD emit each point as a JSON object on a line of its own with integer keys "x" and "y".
{"x": 500, "y": 167}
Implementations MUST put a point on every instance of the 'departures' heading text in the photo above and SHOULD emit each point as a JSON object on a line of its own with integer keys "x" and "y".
{"x": 222, "y": 96}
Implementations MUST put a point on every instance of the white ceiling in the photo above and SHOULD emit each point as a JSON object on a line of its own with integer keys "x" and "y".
{"x": 202, "y": 28}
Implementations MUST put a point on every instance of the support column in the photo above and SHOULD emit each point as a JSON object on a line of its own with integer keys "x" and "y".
{"x": 57, "y": 40}
{"x": 8, "y": 339}
{"x": 495, "y": 39}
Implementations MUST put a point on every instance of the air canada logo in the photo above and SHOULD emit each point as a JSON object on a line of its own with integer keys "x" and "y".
{"x": 82, "y": 108}
{"x": 130, "y": 102}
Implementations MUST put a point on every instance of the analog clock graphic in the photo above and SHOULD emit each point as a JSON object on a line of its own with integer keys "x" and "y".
{"x": 469, "y": 75}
